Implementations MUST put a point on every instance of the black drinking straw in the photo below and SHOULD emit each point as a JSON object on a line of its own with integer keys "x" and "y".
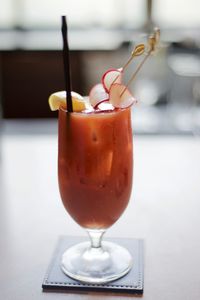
{"x": 66, "y": 62}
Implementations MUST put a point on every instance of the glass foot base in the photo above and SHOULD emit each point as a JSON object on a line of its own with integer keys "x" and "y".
{"x": 96, "y": 265}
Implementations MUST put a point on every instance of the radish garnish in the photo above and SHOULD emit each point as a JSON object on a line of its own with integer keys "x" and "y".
{"x": 110, "y": 77}
{"x": 105, "y": 106}
{"x": 97, "y": 95}
{"x": 120, "y": 96}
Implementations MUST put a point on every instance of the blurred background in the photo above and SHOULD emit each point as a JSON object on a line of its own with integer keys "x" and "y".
{"x": 102, "y": 35}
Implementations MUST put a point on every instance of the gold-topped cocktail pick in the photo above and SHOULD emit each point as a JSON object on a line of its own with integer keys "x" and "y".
{"x": 152, "y": 43}
{"x": 153, "y": 40}
{"x": 137, "y": 51}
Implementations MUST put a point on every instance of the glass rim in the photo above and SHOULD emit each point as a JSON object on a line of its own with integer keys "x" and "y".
{"x": 96, "y": 113}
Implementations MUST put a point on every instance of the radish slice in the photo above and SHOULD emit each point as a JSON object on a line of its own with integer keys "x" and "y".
{"x": 99, "y": 103}
{"x": 110, "y": 77}
{"x": 123, "y": 101}
{"x": 97, "y": 94}
{"x": 105, "y": 106}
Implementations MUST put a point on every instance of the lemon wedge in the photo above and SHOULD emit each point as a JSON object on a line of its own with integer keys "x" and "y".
{"x": 59, "y": 99}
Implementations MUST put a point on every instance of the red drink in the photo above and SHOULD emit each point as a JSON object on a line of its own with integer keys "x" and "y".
{"x": 95, "y": 163}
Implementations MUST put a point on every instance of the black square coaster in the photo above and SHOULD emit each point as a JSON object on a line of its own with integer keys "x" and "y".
{"x": 56, "y": 280}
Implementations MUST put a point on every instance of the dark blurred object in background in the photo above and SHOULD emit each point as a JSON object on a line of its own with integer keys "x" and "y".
{"x": 29, "y": 77}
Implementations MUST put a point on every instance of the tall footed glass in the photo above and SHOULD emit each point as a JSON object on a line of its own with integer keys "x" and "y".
{"x": 95, "y": 166}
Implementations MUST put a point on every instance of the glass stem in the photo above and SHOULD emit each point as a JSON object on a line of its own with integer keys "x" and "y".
{"x": 95, "y": 236}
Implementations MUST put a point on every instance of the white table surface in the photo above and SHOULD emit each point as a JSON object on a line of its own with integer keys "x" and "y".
{"x": 163, "y": 210}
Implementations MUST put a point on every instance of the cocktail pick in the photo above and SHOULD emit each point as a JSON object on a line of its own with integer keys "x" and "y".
{"x": 152, "y": 42}
{"x": 137, "y": 51}
{"x": 66, "y": 61}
